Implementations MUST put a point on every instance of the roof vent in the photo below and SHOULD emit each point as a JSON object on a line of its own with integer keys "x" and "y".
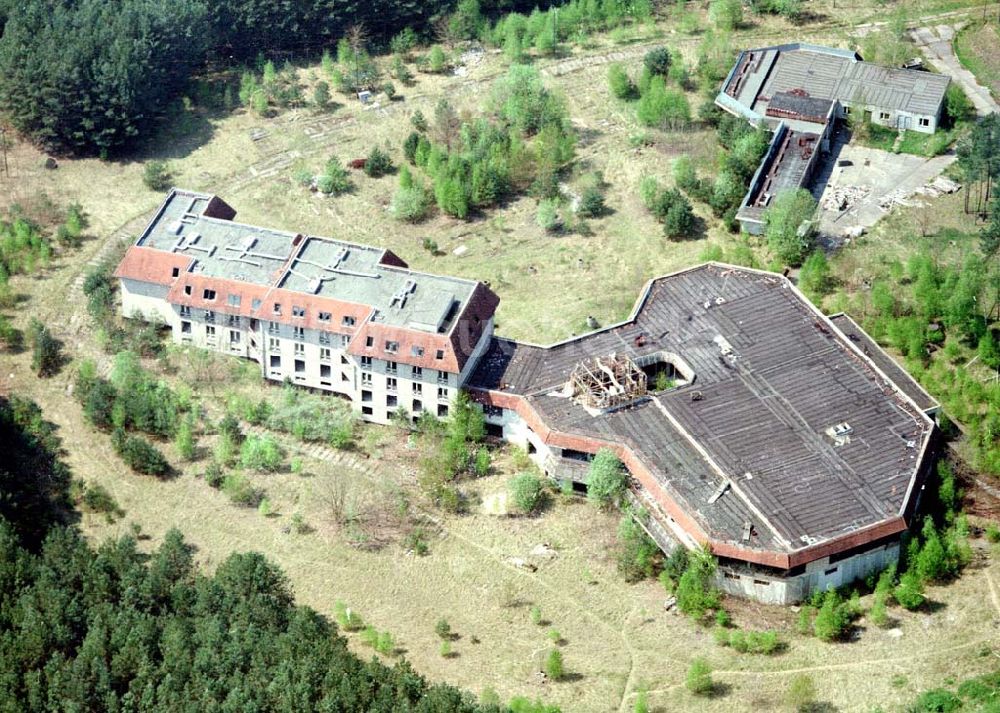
{"x": 314, "y": 285}
{"x": 248, "y": 243}
{"x": 840, "y": 433}
{"x": 175, "y": 228}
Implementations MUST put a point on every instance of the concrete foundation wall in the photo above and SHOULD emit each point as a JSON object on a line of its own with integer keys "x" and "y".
{"x": 820, "y": 575}
{"x": 146, "y": 301}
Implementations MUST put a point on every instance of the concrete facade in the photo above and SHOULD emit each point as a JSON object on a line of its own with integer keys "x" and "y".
{"x": 387, "y": 363}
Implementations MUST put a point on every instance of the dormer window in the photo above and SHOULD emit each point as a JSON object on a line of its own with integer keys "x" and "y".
{"x": 347, "y": 321}
{"x": 298, "y": 311}
{"x": 208, "y": 295}
{"x": 255, "y": 303}
{"x": 187, "y": 289}
{"x": 234, "y": 300}
{"x": 369, "y": 341}
{"x": 175, "y": 272}
{"x": 325, "y": 316}
{"x": 416, "y": 351}
{"x": 439, "y": 354}
{"x": 392, "y": 347}
{"x": 277, "y": 308}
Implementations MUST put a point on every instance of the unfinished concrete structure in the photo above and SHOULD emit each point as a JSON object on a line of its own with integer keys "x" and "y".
{"x": 785, "y": 441}
{"x": 782, "y": 440}
{"x": 348, "y": 319}
{"x": 800, "y": 91}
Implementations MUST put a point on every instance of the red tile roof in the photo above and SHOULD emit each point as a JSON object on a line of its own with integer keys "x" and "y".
{"x": 151, "y": 265}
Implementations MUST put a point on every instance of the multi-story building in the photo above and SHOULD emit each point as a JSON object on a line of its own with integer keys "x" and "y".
{"x": 349, "y": 319}
{"x": 785, "y": 441}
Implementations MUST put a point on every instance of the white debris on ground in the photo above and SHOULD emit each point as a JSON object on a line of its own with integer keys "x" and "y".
{"x": 543, "y": 550}
{"x": 469, "y": 58}
{"x": 460, "y": 250}
{"x": 841, "y": 198}
{"x": 495, "y": 504}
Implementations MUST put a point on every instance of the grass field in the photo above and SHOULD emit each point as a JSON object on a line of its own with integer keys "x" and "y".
{"x": 618, "y": 638}
{"x": 978, "y": 49}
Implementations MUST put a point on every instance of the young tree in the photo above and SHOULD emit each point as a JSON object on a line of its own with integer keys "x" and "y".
{"x": 801, "y": 693}
{"x": 814, "y": 277}
{"x": 554, "y": 665}
{"x": 910, "y": 591}
{"x": 527, "y": 492}
{"x": 46, "y": 356}
{"x": 657, "y": 61}
{"x": 621, "y": 85}
{"x": 832, "y": 619}
{"x": 726, "y": 15}
{"x": 156, "y": 176}
{"x": 607, "y": 479}
{"x": 378, "y": 163}
{"x": 696, "y": 595}
{"x": 786, "y": 227}
{"x": 699, "y": 678}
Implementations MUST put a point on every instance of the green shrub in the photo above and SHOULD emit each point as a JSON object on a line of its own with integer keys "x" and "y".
{"x": 833, "y": 620}
{"x": 755, "y": 642}
{"x": 214, "y": 475}
{"x": 156, "y": 176}
{"x": 699, "y": 678}
{"x": 910, "y": 591}
{"x": 547, "y": 217}
{"x": 261, "y": 453}
{"x": 241, "y": 491}
{"x": 140, "y": 455}
{"x": 437, "y": 62}
{"x": 46, "y": 354}
{"x": 637, "y": 553}
{"x": 696, "y": 594}
{"x": 378, "y": 163}
{"x": 621, "y": 85}
{"x": 607, "y": 479}
{"x": 443, "y": 629}
{"x": 554, "y": 665}
{"x": 412, "y": 204}
{"x": 801, "y": 692}
{"x": 657, "y": 61}
{"x": 346, "y": 618}
{"x": 592, "y": 202}
{"x": 527, "y": 492}
{"x": 97, "y": 498}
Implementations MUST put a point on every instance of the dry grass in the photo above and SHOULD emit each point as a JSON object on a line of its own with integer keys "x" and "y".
{"x": 617, "y": 635}
{"x": 978, "y": 48}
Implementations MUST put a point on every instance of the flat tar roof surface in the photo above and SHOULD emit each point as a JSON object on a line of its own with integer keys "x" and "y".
{"x": 771, "y": 376}
{"x": 311, "y": 265}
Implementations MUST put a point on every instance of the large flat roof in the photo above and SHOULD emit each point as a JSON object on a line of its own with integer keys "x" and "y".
{"x": 327, "y": 268}
{"x": 772, "y": 377}
{"x": 830, "y": 74}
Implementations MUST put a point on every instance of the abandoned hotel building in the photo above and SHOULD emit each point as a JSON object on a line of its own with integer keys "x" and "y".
{"x": 786, "y": 441}
{"x": 800, "y": 91}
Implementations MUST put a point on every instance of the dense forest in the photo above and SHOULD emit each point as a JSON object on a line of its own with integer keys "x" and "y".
{"x": 90, "y": 76}
{"x": 114, "y": 629}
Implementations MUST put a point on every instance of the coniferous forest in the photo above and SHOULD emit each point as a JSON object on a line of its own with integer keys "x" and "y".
{"x": 113, "y": 629}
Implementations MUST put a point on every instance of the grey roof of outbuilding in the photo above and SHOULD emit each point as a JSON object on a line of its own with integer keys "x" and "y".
{"x": 760, "y": 418}
{"x": 833, "y": 74}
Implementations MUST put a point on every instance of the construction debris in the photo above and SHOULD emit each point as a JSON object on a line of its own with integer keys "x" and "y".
{"x": 841, "y": 198}
{"x": 607, "y": 382}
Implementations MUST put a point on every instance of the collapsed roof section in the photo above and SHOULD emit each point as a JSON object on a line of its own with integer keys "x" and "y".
{"x": 739, "y": 453}
{"x": 193, "y": 247}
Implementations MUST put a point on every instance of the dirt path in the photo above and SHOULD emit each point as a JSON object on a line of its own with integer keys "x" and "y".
{"x": 936, "y": 45}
